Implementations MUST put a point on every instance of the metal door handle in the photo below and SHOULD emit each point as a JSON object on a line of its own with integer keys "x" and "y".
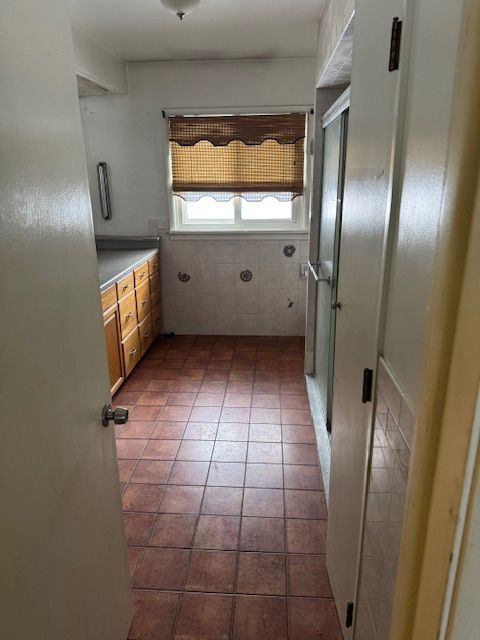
{"x": 118, "y": 415}
{"x": 318, "y": 278}
{"x": 336, "y": 305}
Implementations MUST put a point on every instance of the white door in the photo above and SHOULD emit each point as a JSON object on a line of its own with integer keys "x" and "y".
{"x": 63, "y": 555}
{"x": 371, "y": 135}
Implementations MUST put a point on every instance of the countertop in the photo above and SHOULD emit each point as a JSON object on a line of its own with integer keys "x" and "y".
{"x": 114, "y": 264}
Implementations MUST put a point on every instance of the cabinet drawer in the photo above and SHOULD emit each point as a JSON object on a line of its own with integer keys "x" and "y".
{"x": 141, "y": 274}
{"x": 153, "y": 264}
{"x": 109, "y": 297}
{"x": 131, "y": 351}
{"x": 157, "y": 322}
{"x": 128, "y": 314}
{"x": 146, "y": 333}
{"x": 155, "y": 291}
{"x": 125, "y": 286}
{"x": 143, "y": 300}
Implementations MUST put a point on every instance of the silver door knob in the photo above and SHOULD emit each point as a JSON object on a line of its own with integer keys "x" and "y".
{"x": 336, "y": 305}
{"x": 118, "y": 415}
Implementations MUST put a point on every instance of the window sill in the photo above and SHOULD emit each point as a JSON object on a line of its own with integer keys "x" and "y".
{"x": 251, "y": 234}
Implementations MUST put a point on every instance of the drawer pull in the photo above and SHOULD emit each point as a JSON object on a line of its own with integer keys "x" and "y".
{"x": 129, "y": 315}
{"x": 133, "y": 352}
{"x": 143, "y": 274}
{"x": 125, "y": 286}
{"x": 144, "y": 301}
{"x": 147, "y": 335}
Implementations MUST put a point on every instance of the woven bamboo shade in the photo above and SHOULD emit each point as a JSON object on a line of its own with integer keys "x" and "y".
{"x": 246, "y": 155}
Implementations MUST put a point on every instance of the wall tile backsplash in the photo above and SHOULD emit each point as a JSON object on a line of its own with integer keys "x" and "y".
{"x": 218, "y": 300}
{"x": 387, "y": 485}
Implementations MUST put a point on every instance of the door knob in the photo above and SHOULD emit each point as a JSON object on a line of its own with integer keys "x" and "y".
{"x": 336, "y": 305}
{"x": 118, "y": 415}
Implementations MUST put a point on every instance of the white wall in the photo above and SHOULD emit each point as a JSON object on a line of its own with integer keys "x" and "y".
{"x": 129, "y": 132}
{"x": 335, "y": 18}
{"x": 98, "y": 65}
{"x": 428, "y": 112}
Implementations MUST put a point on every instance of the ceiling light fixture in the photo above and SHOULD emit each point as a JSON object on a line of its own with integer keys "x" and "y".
{"x": 180, "y": 8}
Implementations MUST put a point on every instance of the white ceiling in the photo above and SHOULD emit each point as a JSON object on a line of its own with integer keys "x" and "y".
{"x": 141, "y": 30}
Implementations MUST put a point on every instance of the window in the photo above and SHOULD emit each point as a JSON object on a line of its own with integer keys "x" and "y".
{"x": 238, "y": 172}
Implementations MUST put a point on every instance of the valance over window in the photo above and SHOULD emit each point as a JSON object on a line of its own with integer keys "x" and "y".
{"x": 252, "y": 156}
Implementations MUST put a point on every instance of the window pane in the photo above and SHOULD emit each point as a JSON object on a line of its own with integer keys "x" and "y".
{"x": 207, "y": 209}
{"x": 267, "y": 209}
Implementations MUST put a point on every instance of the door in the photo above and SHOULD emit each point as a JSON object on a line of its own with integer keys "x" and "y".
{"x": 325, "y": 271}
{"x": 372, "y": 130}
{"x": 63, "y": 565}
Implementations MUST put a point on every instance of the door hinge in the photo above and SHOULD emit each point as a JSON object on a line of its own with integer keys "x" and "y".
{"x": 396, "y": 37}
{"x": 367, "y": 385}
{"x": 311, "y": 147}
{"x": 349, "y": 616}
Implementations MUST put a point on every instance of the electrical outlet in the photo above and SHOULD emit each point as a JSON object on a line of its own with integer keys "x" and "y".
{"x": 303, "y": 270}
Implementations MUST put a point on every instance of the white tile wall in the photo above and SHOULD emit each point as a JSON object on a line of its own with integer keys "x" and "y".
{"x": 216, "y": 301}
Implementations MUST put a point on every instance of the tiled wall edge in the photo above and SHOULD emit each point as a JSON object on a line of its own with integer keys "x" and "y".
{"x": 397, "y": 401}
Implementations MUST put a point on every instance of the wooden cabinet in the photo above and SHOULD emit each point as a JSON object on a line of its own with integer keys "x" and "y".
{"x": 132, "y": 318}
{"x": 114, "y": 352}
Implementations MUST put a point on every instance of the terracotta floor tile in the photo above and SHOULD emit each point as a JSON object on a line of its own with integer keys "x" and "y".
{"x": 302, "y": 477}
{"x": 308, "y": 576}
{"x": 300, "y": 454}
{"x": 129, "y": 449}
{"x": 239, "y": 387}
{"x": 215, "y": 375}
{"x": 201, "y": 431}
{"x": 137, "y": 527}
{"x": 127, "y": 397}
{"x": 213, "y": 387}
{"x": 172, "y": 530}
{"x": 219, "y": 364}
{"x": 204, "y": 617}
{"x": 227, "y": 451}
{"x": 294, "y": 401}
{"x": 187, "y": 386}
{"x": 196, "y": 450}
{"x": 152, "y": 471}
{"x": 225, "y": 501}
{"x": 175, "y": 414}
{"x": 262, "y": 534}
{"x": 261, "y": 573}
{"x": 125, "y": 469}
{"x": 184, "y": 399}
{"x": 260, "y": 617}
{"x": 165, "y": 373}
{"x": 217, "y": 532}
{"x": 161, "y": 385}
{"x": 162, "y": 569}
{"x": 169, "y": 430}
{"x": 235, "y": 414}
{"x": 269, "y": 476}
{"x": 153, "y": 398}
{"x": 270, "y": 452}
{"x": 239, "y": 375}
{"x": 306, "y": 536}
{"x": 298, "y": 434}
{"x": 211, "y": 571}
{"x": 261, "y": 387}
{"x": 209, "y": 400}
{"x": 137, "y": 429}
{"x": 265, "y": 433}
{"x": 266, "y": 400}
{"x": 263, "y": 502}
{"x": 134, "y": 556}
{"x": 189, "y": 473}
{"x": 267, "y": 416}
{"x": 233, "y": 400}
{"x": 179, "y": 499}
{"x": 145, "y": 412}
{"x": 296, "y": 388}
{"x": 232, "y": 431}
{"x": 154, "y": 615}
{"x": 191, "y": 374}
{"x": 142, "y": 497}
{"x": 296, "y": 416}
{"x": 305, "y": 504}
{"x": 312, "y": 618}
{"x": 161, "y": 449}
{"x": 205, "y": 414}
{"x": 226, "y": 474}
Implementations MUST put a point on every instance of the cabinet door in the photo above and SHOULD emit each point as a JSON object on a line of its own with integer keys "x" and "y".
{"x": 114, "y": 352}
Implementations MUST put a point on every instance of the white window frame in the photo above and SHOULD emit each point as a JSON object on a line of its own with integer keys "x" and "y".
{"x": 300, "y": 204}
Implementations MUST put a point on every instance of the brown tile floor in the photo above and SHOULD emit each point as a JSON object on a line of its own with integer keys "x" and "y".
{"x": 225, "y": 513}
